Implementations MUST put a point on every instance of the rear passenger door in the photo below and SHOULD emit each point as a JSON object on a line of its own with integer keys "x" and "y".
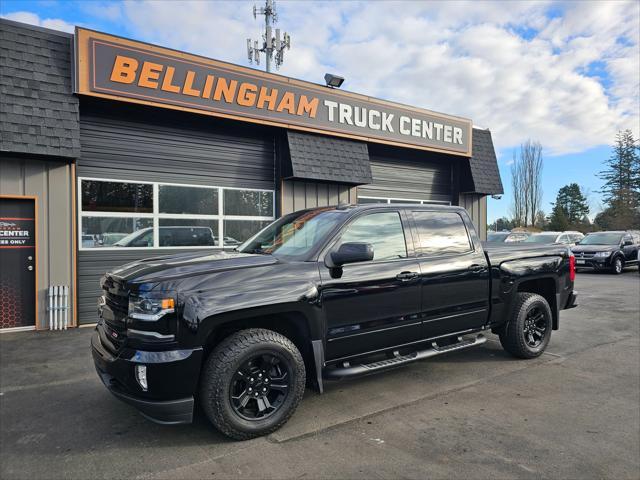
{"x": 454, "y": 274}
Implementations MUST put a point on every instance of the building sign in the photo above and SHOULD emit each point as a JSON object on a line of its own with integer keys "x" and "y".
{"x": 16, "y": 232}
{"x": 117, "y": 68}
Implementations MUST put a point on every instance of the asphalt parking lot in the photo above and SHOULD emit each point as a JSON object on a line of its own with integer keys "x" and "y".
{"x": 572, "y": 413}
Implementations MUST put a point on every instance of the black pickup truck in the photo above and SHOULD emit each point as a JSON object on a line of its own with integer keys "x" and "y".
{"x": 319, "y": 294}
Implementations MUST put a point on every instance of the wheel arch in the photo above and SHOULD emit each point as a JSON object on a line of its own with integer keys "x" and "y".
{"x": 546, "y": 287}
{"x": 296, "y": 325}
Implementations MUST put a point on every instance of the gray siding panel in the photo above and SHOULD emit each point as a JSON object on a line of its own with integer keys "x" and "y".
{"x": 409, "y": 179}
{"x": 298, "y": 195}
{"x": 476, "y": 205}
{"x": 51, "y": 182}
{"x": 127, "y": 143}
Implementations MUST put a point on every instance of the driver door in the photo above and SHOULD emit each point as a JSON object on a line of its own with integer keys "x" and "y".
{"x": 372, "y": 305}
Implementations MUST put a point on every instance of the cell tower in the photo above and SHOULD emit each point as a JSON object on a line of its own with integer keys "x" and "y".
{"x": 270, "y": 45}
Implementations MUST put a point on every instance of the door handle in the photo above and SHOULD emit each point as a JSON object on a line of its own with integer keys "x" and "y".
{"x": 476, "y": 268}
{"x": 406, "y": 276}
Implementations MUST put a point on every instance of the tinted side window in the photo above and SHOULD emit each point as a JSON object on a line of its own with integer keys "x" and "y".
{"x": 441, "y": 232}
{"x": 382, "y": 230}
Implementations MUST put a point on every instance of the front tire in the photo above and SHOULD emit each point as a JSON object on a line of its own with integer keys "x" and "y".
{"x": 528, "y": 331}
{"x": 252, "y": 383}
{"x": 617, "y": 266}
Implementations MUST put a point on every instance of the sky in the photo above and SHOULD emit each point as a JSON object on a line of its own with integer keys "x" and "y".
{"x": 565, "y": 74}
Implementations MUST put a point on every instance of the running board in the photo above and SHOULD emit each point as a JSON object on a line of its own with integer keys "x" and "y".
{"x": 348, "y": 370}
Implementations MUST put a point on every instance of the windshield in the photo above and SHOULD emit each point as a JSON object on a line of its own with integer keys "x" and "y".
{"x": 497, "y": 237}
{"x": 542, "y": 238}
{"x": 601, "y": 239}
{"x": 294, "y": 235}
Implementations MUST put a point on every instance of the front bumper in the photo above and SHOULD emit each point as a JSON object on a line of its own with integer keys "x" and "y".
{"x": 172, "y": 376}
{"x": 594, "y": 263}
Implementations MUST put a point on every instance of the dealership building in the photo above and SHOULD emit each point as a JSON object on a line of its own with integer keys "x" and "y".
{"x": 113, "y": 150}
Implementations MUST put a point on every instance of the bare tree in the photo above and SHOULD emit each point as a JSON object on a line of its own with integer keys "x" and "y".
{"x": 526, "y": 177}
{"x": 531, "y": 157}
{"x": 517, "y": 207}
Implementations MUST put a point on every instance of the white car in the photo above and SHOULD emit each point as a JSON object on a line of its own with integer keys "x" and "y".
{"x": 561, "y": 238}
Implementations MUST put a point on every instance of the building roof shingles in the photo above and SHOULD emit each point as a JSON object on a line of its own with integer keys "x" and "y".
{"x": 316, "y": 157}
{"x": 38, "y": 112}
{"x": 484, "y": 165}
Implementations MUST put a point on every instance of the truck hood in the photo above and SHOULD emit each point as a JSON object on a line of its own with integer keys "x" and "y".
{"x": 593, "y": 248}
{"x": 171, "y": 267}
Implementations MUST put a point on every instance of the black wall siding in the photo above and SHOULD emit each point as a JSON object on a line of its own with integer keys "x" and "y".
{"x": 402, "y": 175}
{"x": 122, "y": 142}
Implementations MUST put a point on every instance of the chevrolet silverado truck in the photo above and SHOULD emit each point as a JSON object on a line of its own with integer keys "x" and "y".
{"x": 320, "y": 294}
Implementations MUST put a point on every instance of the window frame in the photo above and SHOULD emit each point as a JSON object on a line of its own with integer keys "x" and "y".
{"x": 417, "y": 248}
{"x": 156, "y": 216}
{"x": 406, "y": 230}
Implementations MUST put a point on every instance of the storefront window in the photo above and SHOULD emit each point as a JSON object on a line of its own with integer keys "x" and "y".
{"x": 237, "y": 231}
{"x": 101, "y": 196}
{"x": 194, "y": 200}
{"x": 248, "y": 203}
{"x": 116, "y": 232}
{"x": 185, "y": 232}
{"x": 118, "y": 214}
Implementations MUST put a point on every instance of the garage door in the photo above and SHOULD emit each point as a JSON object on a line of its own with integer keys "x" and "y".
{"x": 153, "y": 183}
{"x": 400, "y": 178}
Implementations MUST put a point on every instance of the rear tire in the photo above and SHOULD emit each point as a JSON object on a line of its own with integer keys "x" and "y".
{"x": 528, "y": 331}
{"x": 252, "y": 383}
{"x": 617, "y": 266}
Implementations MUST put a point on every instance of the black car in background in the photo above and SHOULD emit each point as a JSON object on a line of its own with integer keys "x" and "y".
{"x": 608, "y": 250}
{"x": 507, "y": 237}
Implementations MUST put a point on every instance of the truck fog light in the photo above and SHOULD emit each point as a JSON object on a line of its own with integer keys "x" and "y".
{"x": 141, "y": 376}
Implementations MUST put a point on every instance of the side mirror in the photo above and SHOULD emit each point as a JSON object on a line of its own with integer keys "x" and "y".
{"x": 627, "y": 243}
{"x": 350, "y": 252}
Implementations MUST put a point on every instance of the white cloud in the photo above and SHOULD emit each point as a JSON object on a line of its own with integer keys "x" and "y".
{"x": 33, "y": 19}
{"x": 509, "y": 66}
{"x": 523, "y": 69}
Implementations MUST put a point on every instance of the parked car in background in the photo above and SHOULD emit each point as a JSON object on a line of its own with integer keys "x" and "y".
{"x": 507, "y": 237}
{"x": 88, "y": 241}
{"x": 108, "y": 239}
{"x": 560, "y": 238}
{"x": 608, "y": 251}
{"x": 178, "y": 236}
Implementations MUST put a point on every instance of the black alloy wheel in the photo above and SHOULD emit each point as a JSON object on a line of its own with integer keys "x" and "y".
{"x": 535, "y": 327}
{"x": 260, "y": 386}
{"x": 528, "y": 330}
{"x": 251, "y": 383}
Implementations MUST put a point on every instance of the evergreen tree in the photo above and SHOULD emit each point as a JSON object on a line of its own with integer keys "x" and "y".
{"x": 622, "y": 174}
{"x": 572, "y": 203}
{"x": 558, "y": 220}
{"x": 622, "y": 185}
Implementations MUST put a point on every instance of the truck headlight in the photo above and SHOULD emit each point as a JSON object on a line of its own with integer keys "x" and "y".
{"x": 149, "y": 308}
{"x": 602, "y": 254}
